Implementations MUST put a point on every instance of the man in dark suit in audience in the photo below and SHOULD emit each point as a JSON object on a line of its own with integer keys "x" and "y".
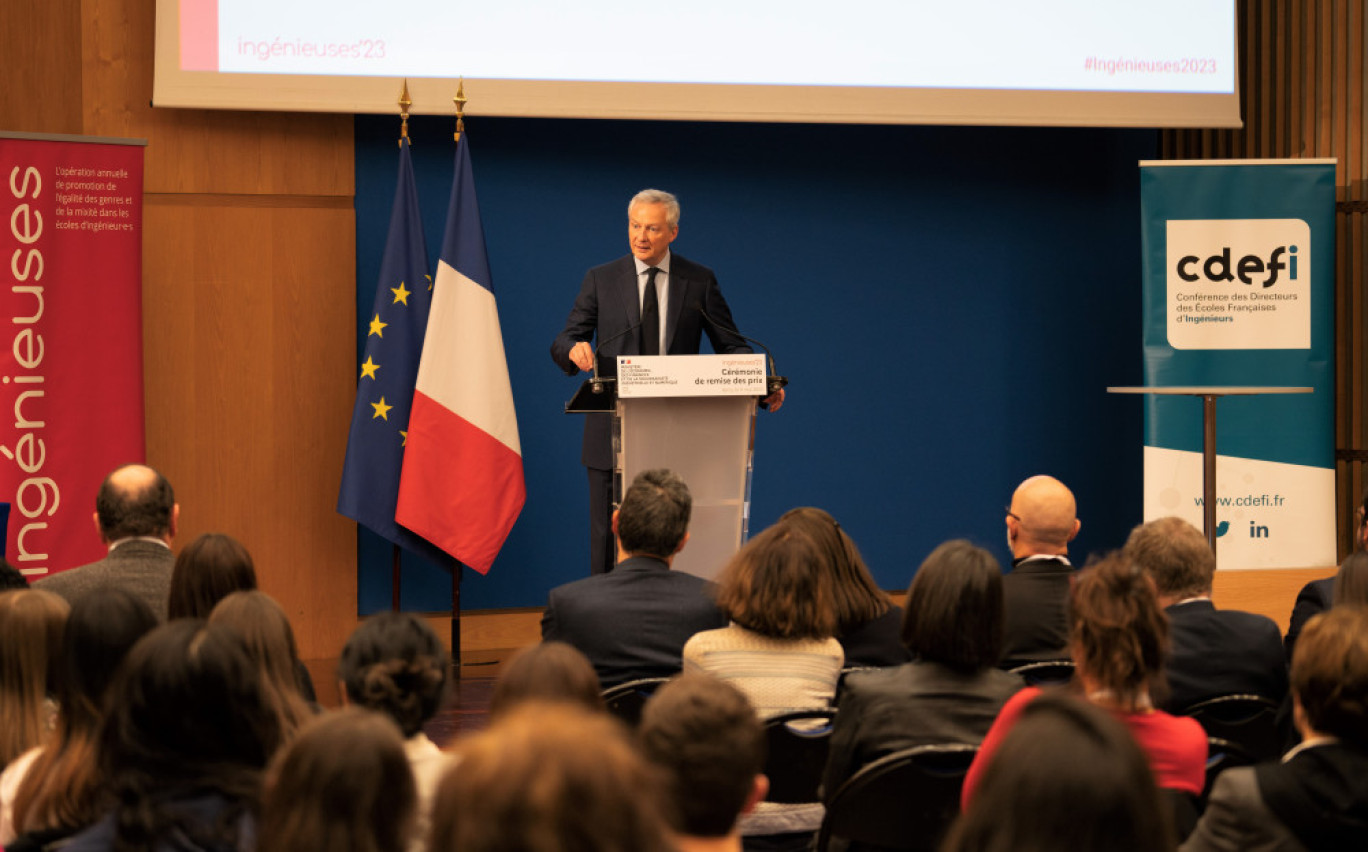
{"x": 1318, "y": 595}
{"x": 136, "y": 515}
{"x": 1041, "y": 521}
{"x": 1212, "y": 651}
{"x": 633, "y": 621}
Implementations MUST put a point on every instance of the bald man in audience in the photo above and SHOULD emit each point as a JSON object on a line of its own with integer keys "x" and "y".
{"x": 136, "y": 516}
{"x": 706, "y": 736}
{"x": 1041, "y": 521}
{"x": 1211, "y": 651}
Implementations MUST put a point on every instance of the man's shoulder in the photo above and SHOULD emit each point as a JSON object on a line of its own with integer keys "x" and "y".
{"x": 682, "y": 267}
{"x": 615, "y": 267}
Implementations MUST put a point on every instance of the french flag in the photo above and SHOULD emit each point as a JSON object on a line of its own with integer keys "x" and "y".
{"x": 461, "y": 486}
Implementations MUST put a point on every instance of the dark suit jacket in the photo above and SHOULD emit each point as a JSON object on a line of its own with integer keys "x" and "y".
{"x": 632, "y": 622}
{"x": 608, "y": 304}
{"x": 1222, "y": 651}
{"x": 1036, "y": 603}
{"x": 140, "y": 567}
{"x": 1315, "y": 597}
{"x": 919, "y": 703}
{"x": 1317, "y": 800}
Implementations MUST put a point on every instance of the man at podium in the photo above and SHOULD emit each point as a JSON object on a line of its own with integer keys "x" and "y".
{"x": 650, "y": 302}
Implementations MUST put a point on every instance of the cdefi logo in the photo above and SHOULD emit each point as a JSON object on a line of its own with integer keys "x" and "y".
{"x": 1217, "y": 267}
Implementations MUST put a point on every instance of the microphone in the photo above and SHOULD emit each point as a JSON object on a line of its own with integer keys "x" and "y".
{"x": 596, "y": 383}
{"x": 775, "y": 381}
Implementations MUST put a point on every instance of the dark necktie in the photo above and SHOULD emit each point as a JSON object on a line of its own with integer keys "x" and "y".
{"x": 650, "y": 315}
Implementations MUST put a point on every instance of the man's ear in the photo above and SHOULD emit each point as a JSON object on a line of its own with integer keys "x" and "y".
{"x": 95, "y": 516}
{"x": 175, "y": 520}
{"x": 759, "y": 790}
{"x": 683, "y": 541}
{"x": 615, "y": 521}
{"x": 1078, "y": 525}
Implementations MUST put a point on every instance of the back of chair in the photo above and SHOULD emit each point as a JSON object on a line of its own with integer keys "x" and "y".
{"x": 797, "y": 745}
{"x": 904, "y": 801}
{"x": 1222, "y": 755}
{"x": 1046, "y": 673}
{"x": 626, "y": 699}
{"x": 1249, "y": 721}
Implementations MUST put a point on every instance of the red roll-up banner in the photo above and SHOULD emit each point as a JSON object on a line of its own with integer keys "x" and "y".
{"x": 71, "y": 377}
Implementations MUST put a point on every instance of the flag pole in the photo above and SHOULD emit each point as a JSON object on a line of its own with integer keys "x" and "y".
{"x": 396, "y": 552}
{"x": 460, "y": 101}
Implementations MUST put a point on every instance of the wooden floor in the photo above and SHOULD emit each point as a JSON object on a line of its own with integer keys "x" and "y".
{"x": 466, "y": 709}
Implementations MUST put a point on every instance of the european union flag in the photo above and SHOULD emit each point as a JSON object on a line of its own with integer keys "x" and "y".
{"x": 389, "y": 368}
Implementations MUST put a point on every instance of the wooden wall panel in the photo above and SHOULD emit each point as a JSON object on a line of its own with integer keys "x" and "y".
{"x": 1304, "y": 82}
{"x": 249, "y": 354}
{"x": 40, "y": 68}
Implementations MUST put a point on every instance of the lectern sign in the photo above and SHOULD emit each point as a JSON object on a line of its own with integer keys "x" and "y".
{"x": 691, "y": 375}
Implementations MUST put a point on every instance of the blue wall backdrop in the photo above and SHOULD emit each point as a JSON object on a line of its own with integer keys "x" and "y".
{"x": 949, "y": 303}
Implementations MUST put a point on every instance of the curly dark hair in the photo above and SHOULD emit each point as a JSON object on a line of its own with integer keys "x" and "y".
{"x": 394, "y": 663}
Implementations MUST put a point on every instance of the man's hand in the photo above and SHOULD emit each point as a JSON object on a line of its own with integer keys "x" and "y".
{"x": 582, "y": 354}
{"x": 774, "y": 400}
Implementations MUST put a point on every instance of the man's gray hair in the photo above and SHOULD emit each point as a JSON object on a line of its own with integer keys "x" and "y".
{"x": 654, "y": 514}
{"x": 658, "y": 196}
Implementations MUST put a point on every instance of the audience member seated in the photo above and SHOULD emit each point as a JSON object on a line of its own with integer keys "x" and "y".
{"x": 868, "y": 623}
{"x": 1318, "y": 595}
{"x": 705, "y": 735}
{"x": 136, "y": 512}
{"x": 209, "y": 569}
{"x": 1067, "y": 776}
{"x": 1041, "y": 521}
{"x": 1118, "y": 635}
{"x": 188, "y": 732}
{"x": 51, "y": 791}
{"x": 779, "y": 650}
{"x": 395, "y": 664}
{"x": 632, "y": 622}
{"x": 31, "y": 624}
{"x": 951, "y": 691}
{"x": 1212, "y": 651}
{"x": 1351, "y": 583}
{"x": 550, "y": 778}
{"x": 256, "y": 619}
{"x": 11, "y": 577}
{"x": 548, "y": 671}
{"x": 1316, "y": 797}
{"x": 342, "y": 785}
{"x": 206, "y": 571}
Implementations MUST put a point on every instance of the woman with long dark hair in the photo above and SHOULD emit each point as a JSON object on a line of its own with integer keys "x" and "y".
{"x": 188, "y": 731}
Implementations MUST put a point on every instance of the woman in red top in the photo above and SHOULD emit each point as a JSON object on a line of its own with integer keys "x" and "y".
{"x": 1118, "y": 638}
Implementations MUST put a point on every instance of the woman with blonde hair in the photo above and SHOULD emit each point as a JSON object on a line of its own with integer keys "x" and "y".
{"x": 256, "y": 619}
{"x": 31, "y": 622}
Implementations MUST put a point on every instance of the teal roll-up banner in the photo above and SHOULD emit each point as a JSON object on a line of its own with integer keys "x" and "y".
{"x": 1239, "y": 291}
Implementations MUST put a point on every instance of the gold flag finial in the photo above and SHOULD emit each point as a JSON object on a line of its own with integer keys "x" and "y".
{"x": 460, "y": 100}
{"x": 404, "y": 103}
